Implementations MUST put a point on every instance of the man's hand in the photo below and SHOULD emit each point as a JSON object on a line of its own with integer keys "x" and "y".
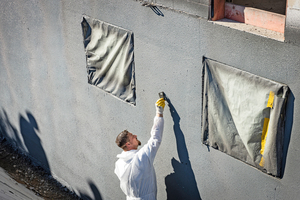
{"x": 160, "y": 105}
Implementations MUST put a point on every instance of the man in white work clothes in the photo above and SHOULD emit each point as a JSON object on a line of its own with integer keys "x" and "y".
{"x": 134, "y": 167}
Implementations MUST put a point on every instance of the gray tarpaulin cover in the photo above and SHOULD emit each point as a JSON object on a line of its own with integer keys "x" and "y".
{"x": 243, "y": 115}
{"x": 109, "y": 58}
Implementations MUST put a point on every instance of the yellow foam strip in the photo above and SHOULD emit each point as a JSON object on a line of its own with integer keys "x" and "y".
{"x": 264, "y": 135}
{"x": 262, "y": 162}
{"x": 263, "y": 139}
{"x": 270, "y": 100}
{"x": 265, "y": 129}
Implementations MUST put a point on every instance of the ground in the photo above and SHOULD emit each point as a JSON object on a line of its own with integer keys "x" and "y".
{"x": 35, "y": 178}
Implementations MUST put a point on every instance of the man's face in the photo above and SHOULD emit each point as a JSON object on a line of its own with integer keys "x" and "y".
{"x": 134, "y": 142}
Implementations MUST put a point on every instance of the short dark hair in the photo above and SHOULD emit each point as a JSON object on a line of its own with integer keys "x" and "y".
{"x": 122, "y": 139}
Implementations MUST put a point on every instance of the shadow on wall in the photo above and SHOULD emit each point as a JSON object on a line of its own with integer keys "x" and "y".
{"x": 8, "y": 131}
{"x": 154, "y": 8}
{"x": 288, "y": 129}
{"x": 182, "y": 183}
{"x": 97, "y": 195}
{"x": 29, "y": 130}
{"x": 30, "y": 139}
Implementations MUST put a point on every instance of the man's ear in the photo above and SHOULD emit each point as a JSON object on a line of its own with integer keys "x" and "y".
{"x": 127, "y": 144}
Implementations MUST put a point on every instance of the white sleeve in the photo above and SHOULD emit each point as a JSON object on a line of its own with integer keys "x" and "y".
{"x": 153, "y": 143}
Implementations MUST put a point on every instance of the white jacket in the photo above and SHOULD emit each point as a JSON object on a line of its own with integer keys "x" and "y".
{"x": 135, "y": 168}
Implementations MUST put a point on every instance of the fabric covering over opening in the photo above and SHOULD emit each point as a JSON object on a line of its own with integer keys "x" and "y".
{"x": 243, "y": 115}
{"x": 109, "y": 58}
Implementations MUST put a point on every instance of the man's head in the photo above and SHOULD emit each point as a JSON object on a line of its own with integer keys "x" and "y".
{"x": 127, "y": 141}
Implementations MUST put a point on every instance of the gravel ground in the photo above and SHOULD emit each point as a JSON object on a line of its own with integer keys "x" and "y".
{"x": 32, "y": 176}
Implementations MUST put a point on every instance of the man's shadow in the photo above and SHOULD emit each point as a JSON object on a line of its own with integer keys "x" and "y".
{"x": 182, "y": 183}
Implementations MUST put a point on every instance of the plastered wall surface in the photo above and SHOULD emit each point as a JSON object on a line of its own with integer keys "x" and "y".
{"x": 292, "y": 22}
{"x": 51, "y": 112}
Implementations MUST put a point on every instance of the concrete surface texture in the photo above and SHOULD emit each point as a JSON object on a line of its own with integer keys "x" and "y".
{"x": 48, "y": 109}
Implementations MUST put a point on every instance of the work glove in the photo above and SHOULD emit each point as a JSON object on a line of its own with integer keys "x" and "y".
{"x": 160, "y": 105}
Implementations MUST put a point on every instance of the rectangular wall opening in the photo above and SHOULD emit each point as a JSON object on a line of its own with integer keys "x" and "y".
{"x": 265, "y": 14}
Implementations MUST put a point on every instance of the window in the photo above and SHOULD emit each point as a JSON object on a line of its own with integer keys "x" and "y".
{"x": 243, "y": 115}
{"x": 109, "y": 58}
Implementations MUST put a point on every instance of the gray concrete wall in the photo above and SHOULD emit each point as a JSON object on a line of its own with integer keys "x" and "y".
{"x": 292, "y": 28}
{"x": 199, "y": 8}
{"x": 50, "y": 111}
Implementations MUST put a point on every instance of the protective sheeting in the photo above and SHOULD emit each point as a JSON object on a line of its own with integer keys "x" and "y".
{"x": 109, "y": 58}
{"x": 243, "y": 115}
